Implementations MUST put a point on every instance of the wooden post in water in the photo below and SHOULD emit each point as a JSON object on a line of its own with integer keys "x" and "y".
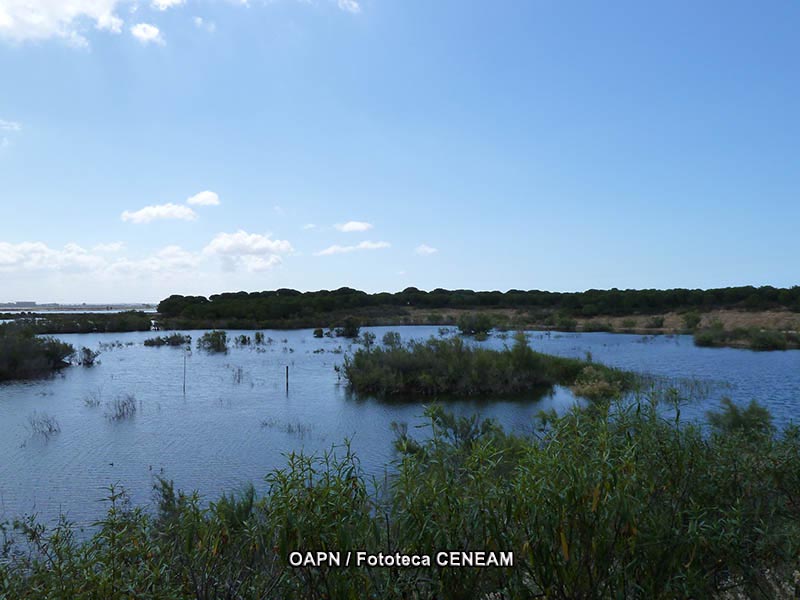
{"x": 287, "y": 379}
{"x": 184, "y": 371}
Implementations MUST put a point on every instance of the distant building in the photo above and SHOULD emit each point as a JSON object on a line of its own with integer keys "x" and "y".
{"x": 25, "y": 304}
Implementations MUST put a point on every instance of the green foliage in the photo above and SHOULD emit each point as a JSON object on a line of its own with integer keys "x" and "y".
{"x": 368, "y": 339}
{"x": 590, "y": 326}
{"x": 753, "y": 338}
{"x": 285, "y": 307}
{"x": 214, "y": 341}
{"x": 565, "y": 323}
{"x": 615, "y": 502}
{"x": 691, "y": 320}
{"x": 175, "y": 340}
{"x": 753, "y": 420}
{"x": 478, "y": 324}
{"x": 453, "y": 367}
{"x": 655, "y": 323}
{"x": 24, "y": 355}
{"x": 391, "y": 339}
{"x": 88, "y": 322}
{"x": 349, "y": 329}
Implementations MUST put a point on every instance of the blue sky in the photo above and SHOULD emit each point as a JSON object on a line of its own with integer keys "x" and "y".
{"x": 381, "y": 144}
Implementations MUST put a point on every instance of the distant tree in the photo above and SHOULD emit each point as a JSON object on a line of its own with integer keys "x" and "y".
{"x": 350, "y": 329}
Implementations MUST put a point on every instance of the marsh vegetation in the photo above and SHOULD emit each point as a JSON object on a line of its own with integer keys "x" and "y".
{"x": 610, "y": 502}
{"x": 23, "y": 355}
{"x": 452, "y": 367}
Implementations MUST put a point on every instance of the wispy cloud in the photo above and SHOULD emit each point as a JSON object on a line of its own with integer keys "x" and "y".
{"x": 165, "y": 4}
{"x": 159, "y": 211}
{"x": 351, "y": 6}
{"x": 10, "y": 126}
{"x": 352, "y": 226}
{"x": 206, "y": 198}
{"x": 147, "y": 34}
{"x": 336, "y": 249}
{"x": 201, "y": 23}
{"x": 425, "y": 250}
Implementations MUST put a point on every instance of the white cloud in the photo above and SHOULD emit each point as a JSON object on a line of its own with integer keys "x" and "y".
{"x": 167, "y": 260}
{"x": 160, "y": 211}
{"x": 425, "y": 250}
{"x": 37, "y": 256}
{"x": 206, "y": 198}
{"x": 336, "y": 249}
{"x": 252, "y": 251}
{"x": 147, "y": 34}
{"x": 351, "y": 6}
{"x": 110, "y": 247}
{"x": 110, "y": 23}
{"x": 32, "y": 20}
{"x": 351, "y": 226}
{"x": 10, "y": 126}
{"x": 165, "y": 4}
{"x": 308, "y": 226}
{"x": 201, "y": 23}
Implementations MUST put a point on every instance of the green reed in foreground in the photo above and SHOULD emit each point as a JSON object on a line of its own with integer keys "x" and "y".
{"x": 609, "y": 502}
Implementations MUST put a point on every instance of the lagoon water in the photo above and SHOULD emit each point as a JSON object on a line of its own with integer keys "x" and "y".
{"x": 236, "y": 420}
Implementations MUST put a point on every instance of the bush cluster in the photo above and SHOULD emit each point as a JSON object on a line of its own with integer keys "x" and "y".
{"x": 453, "y": 367}
{"x": 24, "y": 355}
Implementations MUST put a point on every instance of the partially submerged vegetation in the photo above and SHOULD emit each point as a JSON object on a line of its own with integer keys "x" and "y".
{"x": 753, "y": 337}
{"x": 54, "y": 323}
{"x": 609, "y": 502}
{"x": 174, "y": 340}
{"x": 454, "y": 368}
{"x": 213, "y": 341}
{"x": 23, "y": 355}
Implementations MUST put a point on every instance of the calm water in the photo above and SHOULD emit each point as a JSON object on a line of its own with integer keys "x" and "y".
{"x": 237, "y": 420}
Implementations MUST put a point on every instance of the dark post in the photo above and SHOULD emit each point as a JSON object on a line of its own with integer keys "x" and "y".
{"x": 287, "y": 379}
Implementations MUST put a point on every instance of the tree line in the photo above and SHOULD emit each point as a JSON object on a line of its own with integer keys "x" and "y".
{"x": 289, "y": 304}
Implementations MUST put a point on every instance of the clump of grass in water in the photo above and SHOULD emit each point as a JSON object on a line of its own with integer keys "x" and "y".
{"x": 88, "y": 357}
{"x": 300, "y": 429}
{"x": 93, "y": 399}
{"x": 43, "y": 424}
{"x": 121, "y": 408}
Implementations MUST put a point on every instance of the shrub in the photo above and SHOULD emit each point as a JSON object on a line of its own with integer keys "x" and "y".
{"x": 214, "y": 341}
{"x": 691, "y": 320}
{"x": 655, "y": 323}
{"x": 87, "y": 357}
{"x": 391, "y": 339}
{"x": 318, "y": 333}
{"x": 450, "y": 366}
{"x": 590, "y": 326}
{"x": 615, "y": 502}
{"x": 479, "y": 324}
{"x": 350, "y": 328}
{"x": 174, "y": 340}
{"x": 565, "y": 323}
{"x": 24, "y": 355}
